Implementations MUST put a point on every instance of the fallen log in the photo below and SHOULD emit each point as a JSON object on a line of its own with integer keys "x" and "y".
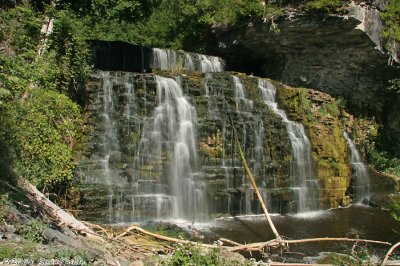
{"x": 50, "y": 209}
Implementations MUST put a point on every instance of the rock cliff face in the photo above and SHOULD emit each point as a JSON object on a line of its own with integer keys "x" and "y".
{"x": 339, "y": 55}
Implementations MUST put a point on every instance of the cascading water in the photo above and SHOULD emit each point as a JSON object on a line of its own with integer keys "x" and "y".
{"x": 242, "y": 103}
{"x": 169, "y": 59}
{"x": 304, "y": 186}
{"x": 189, "y": 64}
{"x": 360, "y": 175}
{"x": 172, "y": 134}
{"x": 210, "y": 64}
{"x": 164, "y": 58}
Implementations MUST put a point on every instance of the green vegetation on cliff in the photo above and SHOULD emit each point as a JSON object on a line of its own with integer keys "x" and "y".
{"x": 391, "y": 17}
{"x": 40, "y": 121}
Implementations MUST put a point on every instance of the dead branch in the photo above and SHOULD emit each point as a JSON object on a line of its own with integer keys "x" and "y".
{"x": 109, "y": 235}
{"x": 253, "y": 182}
{"x": 340, "y": 239}
{"x": 229, "y": 241}
{"x": 255, "y": 246}
{"x": 390, "y": 252}
{"x": 161, "y": 237}
{"x": 276, "y": 242}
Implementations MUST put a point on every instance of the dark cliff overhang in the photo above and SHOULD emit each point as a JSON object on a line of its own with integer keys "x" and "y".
{"x": 327, "y": 53}
{"x": 120, "y": 56}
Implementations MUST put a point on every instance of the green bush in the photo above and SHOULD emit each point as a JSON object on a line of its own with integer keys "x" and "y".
{"x": 20, "y": 28}
{"x": 384, "y": 162}
{"x": 391, "y": 18}
{"x": 70, "y": 54}
{"x": 32, "y": 254}
{"x": 325, "y": 6}
{"x": 359, "y": 256}
{"x": 3, "y": 207}
{"x": 394, "y": 86}
{"x": 7, "y": 252}
{"x": 194, "y": 255}
{"x": 32, "y": 230}
{"x": 39, "y": 134}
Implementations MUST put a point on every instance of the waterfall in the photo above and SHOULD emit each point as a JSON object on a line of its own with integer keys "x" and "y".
{"x": 360, "y": 174}
{"x": 164, "y": 58}
{"x": 167, "y": 59}
{"x": 242, "y": 103}
{"x": 306, "y": 188}
{"x": 172, "y": 134}
{"x": 189, "y": 64}
{"x": 210, "y": 64}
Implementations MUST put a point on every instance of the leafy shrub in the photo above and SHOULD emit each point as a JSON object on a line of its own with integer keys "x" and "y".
{"x": 6, "y": 252}
{"x": 391, "y": 17}
{"x": 194, "y": 255}
{"x": 360, "y": 256}
{"x": 394, "y": 86}
{"x": 382, "y": 161}
{"x": 28, "y": 253}
{"x": 3, "y": 207}
{"x": 40, "y": 133}
{"x": 326, "y": 6}
{"x": 32, "y": 230}
{"x": 190, "y": 254}
{"x": 69, "y": 52}
{"x": 20, "y": 28}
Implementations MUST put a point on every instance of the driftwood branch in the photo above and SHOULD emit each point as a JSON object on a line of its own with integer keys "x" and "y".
{"x": 161, "y": 237}
{"x": 390, "y": 252}
{"x": 109, "y": 235}
{"x": 224, "y": 240}
{"x": 276, "y": 242}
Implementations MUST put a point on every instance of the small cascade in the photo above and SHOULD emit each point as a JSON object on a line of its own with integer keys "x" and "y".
{"x": 210, "y": 64}
{"x": 360, "y": 181}
{"x": 257, "y": 156}
{"x": 306, "y": 188}
{"x": 211, "y": 104}
{"x": 172, "y": 134}
{"x": 242, "y": 103}
{"x": 189, "y": 64}
{"x": 167, "y": 59}
{"x": 164, "y": 58}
